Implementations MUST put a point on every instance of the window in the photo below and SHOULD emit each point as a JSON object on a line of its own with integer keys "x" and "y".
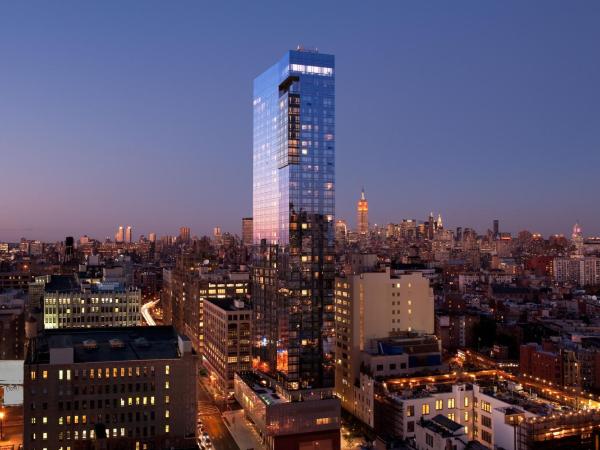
{"x": 410, "y": 427}
{"x": 487, "y": 437}
{"x": 425, "y": 409}
{"x": 451, "y": 416}
{"x": 486, "y": 406}
{"x": 167, "y": 370}
{"x": 32, "y": 375}
{"x": 486, "y": 421}
{"x": 45, "y": 374}
{"x": 60, "y": 374}
{"x": 410, "y": 411}
{"x": 429, "y": 440}
{"x": 166, "y": 428}
{"x": 466, "y": 416}
{"x": 451, "y": 403}
{"x": 466, "y": 402}
{"x": 439, "y": 404}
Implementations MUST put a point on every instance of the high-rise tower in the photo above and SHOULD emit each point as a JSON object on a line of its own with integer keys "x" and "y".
{"x": 120, "y": 234}
{"x": 362, "y": 211}
{"x": 129, "y": 234}
{"x": 577, "y": 237}
{"x": 293, "y": 212}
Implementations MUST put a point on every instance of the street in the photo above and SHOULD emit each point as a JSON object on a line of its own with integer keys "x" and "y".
{"x": 12, "y": 426}
{"x": 211, "y": 417}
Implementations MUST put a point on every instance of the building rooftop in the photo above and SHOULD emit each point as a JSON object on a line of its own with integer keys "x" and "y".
{"x": 230, "y": 304}
{"x": 441, "y": 425}
{"x": 262, "y": 388}
{"x": 108, "y": 344}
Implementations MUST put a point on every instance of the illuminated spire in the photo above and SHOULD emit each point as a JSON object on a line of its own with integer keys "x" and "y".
{"x": 440, "y": 224}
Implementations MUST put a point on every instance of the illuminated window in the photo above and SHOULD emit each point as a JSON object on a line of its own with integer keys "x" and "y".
{"x": 167, "y": 384}
{"x": 466, "y": 401}
{"x": 425, "y": 409}
{"x": 167, "y": 414}
{"x": 167, "y": 428}
{"x": 32, "y": 375}
{"x": 60, "y": 374}
{"x": 45, "y": 374}
{"x": 167, "y": 399}
{"x": 451, "y": 403}
{"x": 439, "y": 404}
{"x": 451, "y": 416}
{"x": 167, "y": 370}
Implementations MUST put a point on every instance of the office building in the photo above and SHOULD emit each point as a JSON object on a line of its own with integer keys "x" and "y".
{"x": 227, "y": 342}
{"x": 73, "y": 303}
{"x": 247, "y": 230}
{"x": 131, "y": 388}
{"x": 362, "y": 214}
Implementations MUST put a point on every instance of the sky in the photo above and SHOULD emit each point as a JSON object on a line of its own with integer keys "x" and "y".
{"x": 140, "y": 113}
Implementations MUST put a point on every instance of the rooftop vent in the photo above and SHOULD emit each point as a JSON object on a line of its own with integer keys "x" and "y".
{"x": 90, "y": 344}
{"x": 116, "y": 343}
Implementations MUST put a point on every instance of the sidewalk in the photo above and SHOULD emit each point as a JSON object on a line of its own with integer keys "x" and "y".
{"x": 241, "y": 430}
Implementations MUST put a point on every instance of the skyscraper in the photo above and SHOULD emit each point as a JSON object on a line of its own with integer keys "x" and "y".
{"x": 293, "y": 211}
{"x": 496, "y": 228}
{"x": 247, "y": 227}
{"x": 184, "y": 234}
{"x": 362, "y": 211}
{"x": 120, "y": 234}
{"x": 129, "y": 234}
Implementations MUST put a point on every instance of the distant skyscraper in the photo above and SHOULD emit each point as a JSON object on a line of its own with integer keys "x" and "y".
{"x": 362, "y": 211}
{"x": 152, "y": 237}
{"x": 577, "y": 237}
{"x": 341, "y": 231}
{"x": 496, "y": 228}
{"x": 120, "y": 234}
{"x": 69, "y": 248}
{"x": 293, "y": 212}
{"x": 184, "y": 234}
{"x": 247, "y": 228}
{"x": 129, "y": 234}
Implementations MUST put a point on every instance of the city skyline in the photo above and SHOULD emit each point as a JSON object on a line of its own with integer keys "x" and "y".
{"x": 521, "y": 149}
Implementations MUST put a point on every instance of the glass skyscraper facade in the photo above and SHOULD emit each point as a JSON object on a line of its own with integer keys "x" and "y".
{"x": 293, "y": 215}
{"x": 294, "y": 143}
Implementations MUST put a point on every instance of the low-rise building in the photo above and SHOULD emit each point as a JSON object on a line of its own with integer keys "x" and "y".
{"x": 440, "y": 433}
{"x": 289, "y": 420}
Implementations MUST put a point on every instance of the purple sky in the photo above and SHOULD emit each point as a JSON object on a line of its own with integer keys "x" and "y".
{"x": 140, "y": 112}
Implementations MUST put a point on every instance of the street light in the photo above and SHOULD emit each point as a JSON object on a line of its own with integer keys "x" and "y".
{"x": 1, "y": 424}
